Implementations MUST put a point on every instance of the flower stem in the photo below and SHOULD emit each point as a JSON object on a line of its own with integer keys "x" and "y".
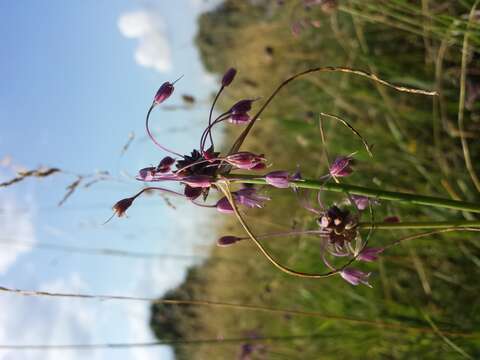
{"x": 370, "y": 192}
{"x": 455, "y": 224}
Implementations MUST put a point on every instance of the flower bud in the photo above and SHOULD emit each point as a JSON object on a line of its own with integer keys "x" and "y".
{"x": 165, "y": 164}
{"x": 228, "y": 240}
{"x": 245, "y": 160}
{"x": 341, "y": 166}
{"x": 228, "y": 77}
{"x": 369, "y": 254}
{"x": 191, "y": 192}
{"x": 120, "y": 207}
{"x": 198, "y": 181}
{"x": 259, "y": 166}
{"x": 146, "y": 174}
{"x": 278, "y": 179}
{"x": 224, "y": 206}
{"x": 163, "y": 93}
{"x": 242, "y": 106}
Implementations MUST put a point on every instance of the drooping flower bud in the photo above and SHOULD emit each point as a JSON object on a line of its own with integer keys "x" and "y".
{"x": 198, "y": 181}
{"x": 228, "y": 77}
{"x": 121, "y": 206}
{"x": 239, "y": 118}
{"x": 278, "y": 179}
{"x": 355, "y": 277}
{"x": 165, "y": 164}
{"x": 370, "y": 254}
{"x": 245, "y": 160}
{"x": 341, "y": 166}
{"x": 163, "y": 93}
{"x": 191, "y": 192}
{"x": 224, "y": 206}
{"x": 228, "y": 240}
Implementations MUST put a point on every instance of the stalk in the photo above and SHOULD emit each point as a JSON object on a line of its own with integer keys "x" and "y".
{"x": 370, "y": 192}
{"x": 455, "y": 224}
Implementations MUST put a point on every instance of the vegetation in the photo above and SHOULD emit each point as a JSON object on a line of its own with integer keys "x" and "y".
{"x": 424, "y": 302}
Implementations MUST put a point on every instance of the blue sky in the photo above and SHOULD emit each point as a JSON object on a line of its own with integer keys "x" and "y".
{"x": 76, "y": 80}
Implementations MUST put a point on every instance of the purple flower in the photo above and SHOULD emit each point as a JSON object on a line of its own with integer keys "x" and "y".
{"x": 239, "y": 119}
{"x": 150, "y": 174}
{"x": 163, "y": 93}
{"x": 341, "y": 166}
{"x": 165, "y": 164}
{"x": 239, "y": 112}
{"x": 362, "y": 202}
{"x": 355, "y": 277}
{"x": 247, "y": 197}
{"x": 191, "y": 192}
{"x": 146, "y": 174}
{"x": 228, "y": 77}
{"x": 198, "y": 181}
{"x": 224, "y": 206}
{"x": 228, "y": 240}
{"x": 245, "y": 160}
{"x": 369, "y": 254}
{"x": 250, "y": 198}
{"x": 242, "y": 106}
{"x": 278, "y": 179}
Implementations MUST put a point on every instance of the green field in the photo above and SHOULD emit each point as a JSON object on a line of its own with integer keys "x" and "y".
{"x": 424, "y": 301}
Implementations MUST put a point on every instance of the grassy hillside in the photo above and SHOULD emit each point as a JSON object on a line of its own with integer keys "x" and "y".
{"x": 429, "y": 283}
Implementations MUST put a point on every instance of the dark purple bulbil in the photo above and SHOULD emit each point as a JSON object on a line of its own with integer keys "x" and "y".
{"x": 242, "y": 106}
{"x": 228, "y": 77}
{"x": 163, "y": 93}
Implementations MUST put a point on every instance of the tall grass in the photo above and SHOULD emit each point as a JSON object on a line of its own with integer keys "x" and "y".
{"x": 426, "y": 282}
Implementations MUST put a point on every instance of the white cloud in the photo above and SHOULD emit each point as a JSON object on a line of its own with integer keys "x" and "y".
{"x": 54, "y": 321}
{"x": 149, "y": 28}
{"x": 27, "y": 320}
{"x": 138, "y": 317}
{"x": 17, "y": 225}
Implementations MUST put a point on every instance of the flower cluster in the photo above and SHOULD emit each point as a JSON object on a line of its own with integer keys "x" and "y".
{"x": 199, "y": 170}
{"x": 205, "y": 169}
{"x": 338, "y": 229}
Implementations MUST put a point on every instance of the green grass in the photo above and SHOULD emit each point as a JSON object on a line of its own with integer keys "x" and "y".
{"x": 429, "y": 283}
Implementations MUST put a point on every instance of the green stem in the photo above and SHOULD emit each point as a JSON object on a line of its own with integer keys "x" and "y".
{"x": 359, "y": 190}
{"x": 461, "y": 224}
